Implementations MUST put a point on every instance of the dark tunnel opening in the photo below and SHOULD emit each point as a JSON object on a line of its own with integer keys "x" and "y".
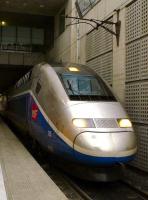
{"x": 9, "y": 74}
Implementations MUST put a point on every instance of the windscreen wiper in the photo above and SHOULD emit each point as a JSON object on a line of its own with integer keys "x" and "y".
{"x": 70, "y": 87}
{"x": 73, "y": 91}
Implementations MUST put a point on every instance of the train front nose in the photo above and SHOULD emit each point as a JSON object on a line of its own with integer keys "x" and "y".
{"x": 117, "y": 144}
{"x": 104, "y": 133}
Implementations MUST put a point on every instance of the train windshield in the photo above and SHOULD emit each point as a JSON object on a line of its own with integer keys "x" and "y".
{"x": 86, "y": 87}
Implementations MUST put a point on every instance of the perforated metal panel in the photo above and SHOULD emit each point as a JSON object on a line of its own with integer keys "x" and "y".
{"x": 144, "y": 58}
{"x": 99, "y": 55}
{"x": 95, "y": 65}
{"x": 144, "y": 17}
{"x": 133, "y": 101}
{"x": 107, "y": 67}
{"x": 144, "y": 103}
{"x": 133, "y": 26}
{"x": 138, "y": 26}
{"x": 141, "y": 160}
{"x": 137, "y": 76}
{"x": 137, "y": 60}
{"x": 133, "y": 61}
{"x": 98, "y": 42}
{"x": 103, "y": 66}
{"x": 137, "y": 101}
{"x": 92, "y": 48}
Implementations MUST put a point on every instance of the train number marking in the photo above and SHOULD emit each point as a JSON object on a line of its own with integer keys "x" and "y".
{"x": 49, "y": 134}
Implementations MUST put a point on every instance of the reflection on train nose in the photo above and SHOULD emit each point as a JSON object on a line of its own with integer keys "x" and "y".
{"x": 88, "y": 140}
{"x": 106, "y": 142}
{"x": 103, "y": 142}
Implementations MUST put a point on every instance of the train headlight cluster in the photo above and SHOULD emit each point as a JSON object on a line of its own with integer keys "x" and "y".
{"x": 83, "y": 123}
{"x": 125, "y": 123}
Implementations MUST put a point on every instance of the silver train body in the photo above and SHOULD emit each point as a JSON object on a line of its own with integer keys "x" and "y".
{"x": 72, "y": 113}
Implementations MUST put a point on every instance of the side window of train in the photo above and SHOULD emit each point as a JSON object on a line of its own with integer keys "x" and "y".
{"x": 38, "y": 88}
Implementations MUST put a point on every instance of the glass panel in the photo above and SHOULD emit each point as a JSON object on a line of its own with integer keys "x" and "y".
{"x": 23, "y": 36}
{"x": 85, "y": 5}
{"x": 37, "y": 36}
{"x": 87, "y": 87}
{"x": 93, "y": 2}
{"x": 9, "y": 35}
{"x": 84, "y": 86}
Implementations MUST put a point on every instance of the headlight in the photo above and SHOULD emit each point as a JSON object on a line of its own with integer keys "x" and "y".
{"x": 83, "y": 123}
{"x": 125, "y": 123}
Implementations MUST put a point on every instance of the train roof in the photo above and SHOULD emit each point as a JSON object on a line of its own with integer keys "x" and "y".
{"x": 71, "y": 68}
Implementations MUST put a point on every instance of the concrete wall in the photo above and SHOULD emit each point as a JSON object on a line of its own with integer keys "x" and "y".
{"x": 14, "y": 58}
{"x": 71, "y": 45}
{"x": 62, "y": 44}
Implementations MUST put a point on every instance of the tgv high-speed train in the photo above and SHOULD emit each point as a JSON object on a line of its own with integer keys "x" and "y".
{"x": 73, "y": 114}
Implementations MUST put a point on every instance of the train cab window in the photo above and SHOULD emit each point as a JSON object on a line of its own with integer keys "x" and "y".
{"x": 38, "y": 88}
{"x": 86, "y": 87}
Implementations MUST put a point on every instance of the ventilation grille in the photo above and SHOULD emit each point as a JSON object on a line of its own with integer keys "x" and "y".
{"x": 106, "y": 123}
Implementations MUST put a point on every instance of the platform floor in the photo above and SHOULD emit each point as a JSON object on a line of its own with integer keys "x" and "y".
{"x": 21, "y": 177}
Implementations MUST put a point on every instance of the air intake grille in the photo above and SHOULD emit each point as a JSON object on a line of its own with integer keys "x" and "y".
{"x": 106, "y": 123}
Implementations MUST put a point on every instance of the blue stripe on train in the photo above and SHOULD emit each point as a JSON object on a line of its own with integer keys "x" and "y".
{"x": 48, "y": 138}
{"x": 61, "y": 148}
{"x": 101, "y": 160}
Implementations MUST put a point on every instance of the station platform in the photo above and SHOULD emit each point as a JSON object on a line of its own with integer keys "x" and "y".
{"x": 21, "y": 177}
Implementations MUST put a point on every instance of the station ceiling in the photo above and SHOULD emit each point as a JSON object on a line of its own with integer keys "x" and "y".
{"x": 36, "y": 13}
{"x": 37, "y": 7}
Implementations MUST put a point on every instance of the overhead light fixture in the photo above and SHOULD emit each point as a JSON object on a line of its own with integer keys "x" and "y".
{"x": 3, "y": 23}
{"x": 42, "y": 6}
{"x": 73, "y": 69}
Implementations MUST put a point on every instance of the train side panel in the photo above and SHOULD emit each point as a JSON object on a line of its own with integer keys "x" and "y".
{"x": 44, "y": 128}
{"x": 17, "y": 110}
{"x": 45, "y": 132}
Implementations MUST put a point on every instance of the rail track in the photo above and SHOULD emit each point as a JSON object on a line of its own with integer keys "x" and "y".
{"x": 76, "y": 189}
